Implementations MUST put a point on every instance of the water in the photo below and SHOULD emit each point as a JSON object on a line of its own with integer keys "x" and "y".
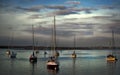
{"x": 88, "y": 62}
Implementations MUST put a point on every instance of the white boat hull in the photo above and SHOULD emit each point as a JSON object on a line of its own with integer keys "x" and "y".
{"x": 52, "y": 65}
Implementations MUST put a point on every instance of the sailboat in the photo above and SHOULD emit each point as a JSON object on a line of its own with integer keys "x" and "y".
{"x": 36, "y": 49}
{"x": 45, "y": 52}
{"x": 52, "y": 63}
{"x": 11, "y": 54}
{"x": 8, "y": 52}
{"x": 8, "y": 49}
{"x": 56, "y": 53}
{"x": 111, "y": 57}
{"x": 32, "y": 57}
{"x": 74, "y": 54}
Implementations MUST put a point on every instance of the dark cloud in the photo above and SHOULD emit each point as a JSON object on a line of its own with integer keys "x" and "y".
{"x": 35, "y": 16}
{"x": 87, "y": 10}
{"x": 13, "y": 5}
{"x": 42, "y": 23}
{"x": 28, "y": 9}
{"x": 109, "y": 7}
{"x": 6, "y": 7}
{"x": 39, "y": 30}
{"x": 102, "y": 17}
{"x": 61, "y": 7}
{"x": 116, "y": 20}
{"x": 40, "y": 7}
{"x": 57, "y": 9}
{"x": 70, "y": 11}
{"x": 47, "y": 31}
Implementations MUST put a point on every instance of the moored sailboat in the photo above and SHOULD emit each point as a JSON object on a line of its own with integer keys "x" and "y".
{"x": 33, "y": 58}
{"x": 13, "y": 55}
{"x": 112, "y": 57}
{"x": 52, "y": 63}
{"x": 74, "y": 54}
{"x": 8, "y": 52}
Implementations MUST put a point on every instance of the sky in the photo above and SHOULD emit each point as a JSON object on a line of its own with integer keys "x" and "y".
{"x": 90, "y": 21}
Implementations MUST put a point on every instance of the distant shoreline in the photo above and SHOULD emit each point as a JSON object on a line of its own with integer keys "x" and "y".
{"x": 58, "y": 48}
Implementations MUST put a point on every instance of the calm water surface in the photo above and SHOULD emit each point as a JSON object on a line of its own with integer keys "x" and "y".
{"x": 88, "y": 62}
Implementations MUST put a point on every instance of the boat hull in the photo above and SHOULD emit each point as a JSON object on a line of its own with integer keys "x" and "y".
{"x": 53, "y": 67}
{"x": 12, "y": 56}
{"x": 57, "y": 54}
{"x": 73, "y": 56}
{"x": 111, "y": 58}
{"x": 8, "y": 52}
{"x": 33, "y": 60}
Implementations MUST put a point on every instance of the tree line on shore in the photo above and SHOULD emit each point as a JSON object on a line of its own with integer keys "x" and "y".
{"x": 58, "y": 48}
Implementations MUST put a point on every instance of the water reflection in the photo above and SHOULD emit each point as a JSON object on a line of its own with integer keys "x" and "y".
{"x": 94, "y": 64}
{"x": 12, "y": 66}
{"x": 111, "y": 67}
{"x": 74, "y": 66}
{"x": 33, "y": 65}
{"x": 52, "y": 72}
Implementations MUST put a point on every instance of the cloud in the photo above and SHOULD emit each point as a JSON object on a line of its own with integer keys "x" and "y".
{"x": 102, "y": 17}
{"x": 28, "y": 9}
{"x": 5, "y": 8}
{"x": 69, "y": 21}
{"x": 110, "y": 6}
{"x": 70, "y": 11}
{"x": 116, "y": 20}
{"x": 61, "y": 7}
{"x": 73, "y": 2}
{"x": 40, "y": 7}
{"x": 28, "y": 0}
{"x": 61, "y": 12}
{"x": 2, "y": 5}
{"x": 35, "y": 16}
{"x": 53, "y": 9}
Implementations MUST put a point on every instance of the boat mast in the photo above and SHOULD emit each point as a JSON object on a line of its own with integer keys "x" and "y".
{"x": 113, "y": 41}
{"x": 10, "y": 40}
{"x": 74, "y": 42}
{"x": 33, "y": 36}
{"x": 54, "y": 35}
